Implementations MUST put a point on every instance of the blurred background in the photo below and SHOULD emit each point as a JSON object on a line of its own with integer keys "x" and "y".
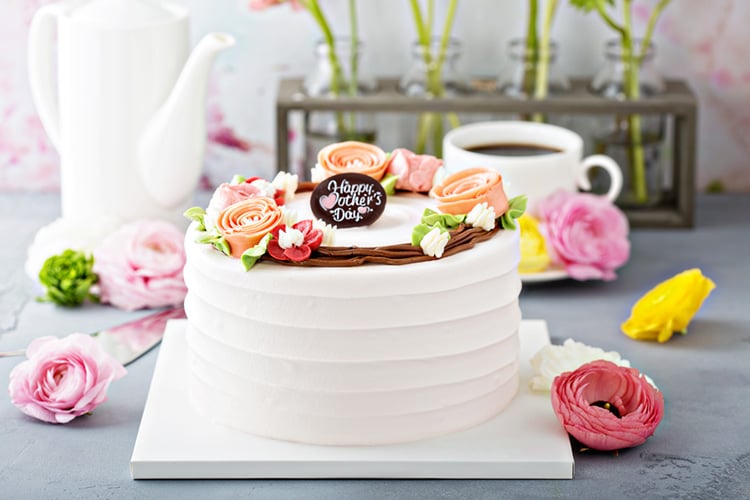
{"x": 702, "y": 41}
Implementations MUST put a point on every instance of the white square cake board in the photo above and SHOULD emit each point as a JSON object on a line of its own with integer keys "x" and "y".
{"x": 524, "y": 442}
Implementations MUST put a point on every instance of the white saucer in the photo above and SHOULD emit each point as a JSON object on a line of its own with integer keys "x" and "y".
{"x": 524, "y": 442}
{"x": 544, "y": 276}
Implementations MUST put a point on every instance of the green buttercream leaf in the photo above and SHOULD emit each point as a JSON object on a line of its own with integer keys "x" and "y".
{"x": 389, "y": 184}
{"x": 198, "y": 215}
{"x": 222, "y": 245}
{"x": 419, "y": 232}
{"x": 237, "y": 179}
{"x": 67, "y": 278}
{"x": 252, "y": 255}
{"x": 516, "y": 208}
{"x": 443, "y": 221}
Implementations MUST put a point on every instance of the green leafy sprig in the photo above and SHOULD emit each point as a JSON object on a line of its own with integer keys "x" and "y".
{"x": 516, "y": 208}
{"x": 431, "y": 220}
{"x": 252, "y": 255}
{"x": 68, "y": 278}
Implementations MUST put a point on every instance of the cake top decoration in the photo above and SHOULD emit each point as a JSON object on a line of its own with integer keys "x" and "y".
{"x": 348, "y": 200}
{"x": 252, "y": 220}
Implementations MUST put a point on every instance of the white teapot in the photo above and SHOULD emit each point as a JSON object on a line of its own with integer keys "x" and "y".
{"x": 127, "y": 111}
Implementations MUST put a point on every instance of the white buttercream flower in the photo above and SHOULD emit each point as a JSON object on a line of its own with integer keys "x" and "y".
{"x": 266, "y": 187}
{"x": 62, "y": 234}
{"x": 318, "y": 173}
{"x": 290, "y": 216}
{"x": 482, "y": 216}
{"x": 552, "y": 360}
{"x": 439, "y": 177}
{"x": 211, "y": 219}
{"x": 286, "y": 182}
{"x": 329, "y": 232}
{"x": 434, "y": 242}
{"x": 290, "y": 238}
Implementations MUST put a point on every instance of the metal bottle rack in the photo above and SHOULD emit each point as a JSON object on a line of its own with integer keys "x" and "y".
{"x": 678, "y": 102}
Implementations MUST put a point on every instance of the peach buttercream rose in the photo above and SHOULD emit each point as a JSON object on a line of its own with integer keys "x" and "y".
{"x": 460, "y": 192}
{"x": 352, "y": 156}
{"x": 244, "y": 224}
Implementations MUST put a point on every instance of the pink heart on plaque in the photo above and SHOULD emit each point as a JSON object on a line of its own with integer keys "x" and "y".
{"x": 328, "y": 202}
{"x": 363, "y": 210}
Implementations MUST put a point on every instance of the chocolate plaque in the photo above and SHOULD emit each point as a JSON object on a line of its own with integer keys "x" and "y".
{"x": 348, "y": 200}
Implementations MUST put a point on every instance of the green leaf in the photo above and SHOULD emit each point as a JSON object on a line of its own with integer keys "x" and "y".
{"x": 507, "y": 222}
{"x": 217, "y": 240}
{"x": 252, "y": 255}
{"x": 389, "y": 184}
{"x": 419, "y": 232}
{"x": 237, "y": 179}
{"x": 196, "y": 214}
{"x": 589, "y": 5}
{"x": 67, "y": 278}
{"x": 444, "y": 221}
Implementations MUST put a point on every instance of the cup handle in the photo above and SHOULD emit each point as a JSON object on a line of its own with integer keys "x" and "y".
{"x": 608, "y": 164}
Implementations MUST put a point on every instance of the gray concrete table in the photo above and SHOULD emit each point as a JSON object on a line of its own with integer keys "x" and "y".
{"x": 701, "y": 449}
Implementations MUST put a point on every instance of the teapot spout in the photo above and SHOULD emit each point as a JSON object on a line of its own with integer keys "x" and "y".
{"x": 170, "y": 151}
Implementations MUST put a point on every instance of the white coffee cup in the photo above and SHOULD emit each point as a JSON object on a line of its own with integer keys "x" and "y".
{"x": 536, "y": 176}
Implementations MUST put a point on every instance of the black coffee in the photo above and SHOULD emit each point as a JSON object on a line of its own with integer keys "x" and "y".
{"x": 513, "y": 149}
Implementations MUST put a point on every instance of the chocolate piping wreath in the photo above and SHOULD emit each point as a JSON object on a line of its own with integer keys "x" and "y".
{"x": 462, "y": 238}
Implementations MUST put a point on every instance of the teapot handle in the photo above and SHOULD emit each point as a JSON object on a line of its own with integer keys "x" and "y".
{"x": 40, "y": 64}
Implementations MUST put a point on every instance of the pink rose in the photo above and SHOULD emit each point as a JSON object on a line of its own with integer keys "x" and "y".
{"x": 63, "y": 378}
{"x": 140, "y": 265}
{"x": 606, "y": 406}
{"x": 229, "y": 194}
{"x": 265, "y": 4}
{"x": 586, "y": 233}
{"x": 415, "y": 172}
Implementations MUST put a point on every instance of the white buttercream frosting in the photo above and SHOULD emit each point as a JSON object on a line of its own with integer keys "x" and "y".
{"x": 482, "y": 216}
{"x": 434, "y": 242}
{"x": 290, "y": 237}
{"x": 329, "y": 232}
{"x": 361, "y": 355}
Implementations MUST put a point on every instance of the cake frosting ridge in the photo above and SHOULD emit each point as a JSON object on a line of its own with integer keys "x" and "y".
{"x": 357, "y": 353}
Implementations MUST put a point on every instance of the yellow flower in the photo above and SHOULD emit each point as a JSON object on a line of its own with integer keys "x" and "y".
{"x": 668, "y": 307}
{"x": 534, "y": 256}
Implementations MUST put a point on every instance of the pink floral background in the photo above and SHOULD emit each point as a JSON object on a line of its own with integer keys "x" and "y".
{"x": 703, "y": 41}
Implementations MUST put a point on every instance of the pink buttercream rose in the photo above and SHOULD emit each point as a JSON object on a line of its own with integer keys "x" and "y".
{"x": 229, "y": 194}
{"x": 63, "y": 378}
{"x": 415, "y": 172}
{"x": 606, "y": 406}
{"x": 586, "y": 233}
{"x": 140, "y": 266}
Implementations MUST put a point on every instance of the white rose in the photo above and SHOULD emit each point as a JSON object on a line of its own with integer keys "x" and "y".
{"x": 286, "y": 182}
{"x": 482, "y": 216}
{"x": 552, "y": 360}
{"x": 434, "y": 242}
{"x": 329, "y": 232}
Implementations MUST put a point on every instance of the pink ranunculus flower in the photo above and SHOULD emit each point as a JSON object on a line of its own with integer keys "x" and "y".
{"x": 586, "y": 233}
{"x": 265, "y": 4}
{"x": 415, "y": 172}
{"x": 63, "y": 378}
{"x": 140, "y": 266}
{"x": 229, "y": 194}
{"x": 606, "y": 406}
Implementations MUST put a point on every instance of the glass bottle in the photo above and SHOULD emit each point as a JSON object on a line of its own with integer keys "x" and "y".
{"x": 519, "y": 77}
{"x": 343, "y": 72}
{"x": 637, "y": 142}
{"x": 432, "y": 76}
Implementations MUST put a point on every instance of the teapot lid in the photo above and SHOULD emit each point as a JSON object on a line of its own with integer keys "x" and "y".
{"x": 127, "y": 13}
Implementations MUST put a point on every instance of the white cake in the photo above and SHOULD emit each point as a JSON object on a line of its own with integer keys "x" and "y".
{"x": 362, "y": 355}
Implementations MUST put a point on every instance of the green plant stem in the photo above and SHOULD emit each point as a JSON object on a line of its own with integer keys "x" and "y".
{"x": 354, "y": 59}
{"x": 541, "y": 85}
{"x": 658, "y": 9}
{"x": 430, "y": 15}
{"x": 532, "y": 46}
{"x": 632, "y": 92}
{"x": 336, "y": 76}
